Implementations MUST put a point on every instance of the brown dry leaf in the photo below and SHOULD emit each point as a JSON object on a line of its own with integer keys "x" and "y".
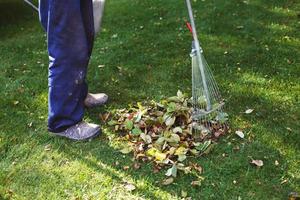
{"x": 168, "y": 181}
{"x": 136, "y": 165}
{"x": 217, "y": 134}
{"x": 196, "y": 183}
{"x": 126, "y": 167}
{"x": 104, "y": 117}
{"x": 258, "y": 163}
{"x": 197, "y": 167}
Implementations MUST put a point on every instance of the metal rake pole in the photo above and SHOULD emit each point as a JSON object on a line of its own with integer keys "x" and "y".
{"x": 31, "y": 5}
{"x": 198, "y": 49}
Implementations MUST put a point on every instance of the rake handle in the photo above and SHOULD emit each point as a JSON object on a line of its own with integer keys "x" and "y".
{"x": 198, "y": 49}
{"x": 188, "y": 25}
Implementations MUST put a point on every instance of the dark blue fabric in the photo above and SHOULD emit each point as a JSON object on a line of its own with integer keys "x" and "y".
{"x": 70, "y": 33}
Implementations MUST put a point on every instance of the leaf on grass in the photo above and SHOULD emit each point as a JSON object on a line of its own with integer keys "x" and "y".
{"x": 197, "y": 167}
{"x": 129, "y": 125}
{"x": 171, "y": 107}
{"x": 129, "y": 187}
{"x": 160, "y": 141}
{"x": 174, "y": 138}
{"x": 258, "y": 163}
{"x": 180, "y": 96}
{"x": 240, "y": 134}
{"x": 48, "y": 147}
{"x": 248, "y": 111}
{"x": 173, "y": 99}
{"x": 146, "y": 138}
{"x": 196, "y": 183}
{"x": 172, "y": 171}
{"x": 136, "y": 131}
{"x": 168, "y": 181}
{"x": 126, "y": 150}
{"x": 203, "y": 146}
{"x": 136, "y": 165}
{"x": 181, "y": 158}
{"x": 159, "y": 156}
{"x": 177, "y": 130}
{"x": 184, "y": 194}
{"x": 112, "y": 122}
{"x": 181, "y": 153}
{"x": 169, "y": 121}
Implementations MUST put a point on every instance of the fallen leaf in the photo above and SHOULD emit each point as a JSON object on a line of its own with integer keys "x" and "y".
{"x": 197, "y": 167}
{"x": 129, "y": 187}
{"x": 177, "y": 130}
{"x": 126, "y": 150}
{"x": 196, "y": 183}
{"x": 136, "y": 131}
{"x": 248, "y": 111}
{"x": 172, "y": 171}
{"x": 146, "y": 138}
{"x": 174, "y": 138}
{"x": 240, "y": 134}
{"x": 170, "y": 121}
{"x": 129, "y": 124}
{"x": 30, "y": 124}
{"x": 136, "y": 165}
{"x": 48, "y": 147}
{"x": 126, "y": 167}
{"x": 258, "y": 163}
{"x": 168, "y": 181}
{"x": 203, "y": 146}
{"x": 183, "y": 193}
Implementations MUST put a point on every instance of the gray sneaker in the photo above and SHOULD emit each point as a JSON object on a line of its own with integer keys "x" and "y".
{"x": 81, "y": 131}
{"x": 93, "y": 100}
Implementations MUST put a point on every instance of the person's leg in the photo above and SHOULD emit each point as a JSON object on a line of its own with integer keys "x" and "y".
{"x": 69, "y": 47}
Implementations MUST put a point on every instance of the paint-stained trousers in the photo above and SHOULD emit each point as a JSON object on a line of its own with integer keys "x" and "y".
{"x": 70, "y": 35}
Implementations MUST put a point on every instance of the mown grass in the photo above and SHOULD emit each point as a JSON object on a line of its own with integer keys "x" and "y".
{"x": 145, "y": 46}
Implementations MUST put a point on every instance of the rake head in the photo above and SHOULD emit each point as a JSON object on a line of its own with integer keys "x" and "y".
{"x": 206, "y": 99}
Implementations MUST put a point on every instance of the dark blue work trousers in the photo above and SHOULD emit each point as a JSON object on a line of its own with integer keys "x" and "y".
{"x": 70, "y": 34}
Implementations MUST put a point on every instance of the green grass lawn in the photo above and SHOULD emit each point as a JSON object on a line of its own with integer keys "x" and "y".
{"x": 253, "y": 48}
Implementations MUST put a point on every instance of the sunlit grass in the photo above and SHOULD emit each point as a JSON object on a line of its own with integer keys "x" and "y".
{"x": 253, "y": 50}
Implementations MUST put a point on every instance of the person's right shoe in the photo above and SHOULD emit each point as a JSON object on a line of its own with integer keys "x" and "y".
{"x": 81, "y": 131}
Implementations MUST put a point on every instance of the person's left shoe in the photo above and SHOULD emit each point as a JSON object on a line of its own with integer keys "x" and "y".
{"x": 93, "y": 100}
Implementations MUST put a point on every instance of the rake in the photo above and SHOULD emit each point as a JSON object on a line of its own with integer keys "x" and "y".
{"x": 207, "y": 102}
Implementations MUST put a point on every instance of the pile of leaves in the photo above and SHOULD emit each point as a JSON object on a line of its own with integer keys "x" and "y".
{"x": 163, "y": 132}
